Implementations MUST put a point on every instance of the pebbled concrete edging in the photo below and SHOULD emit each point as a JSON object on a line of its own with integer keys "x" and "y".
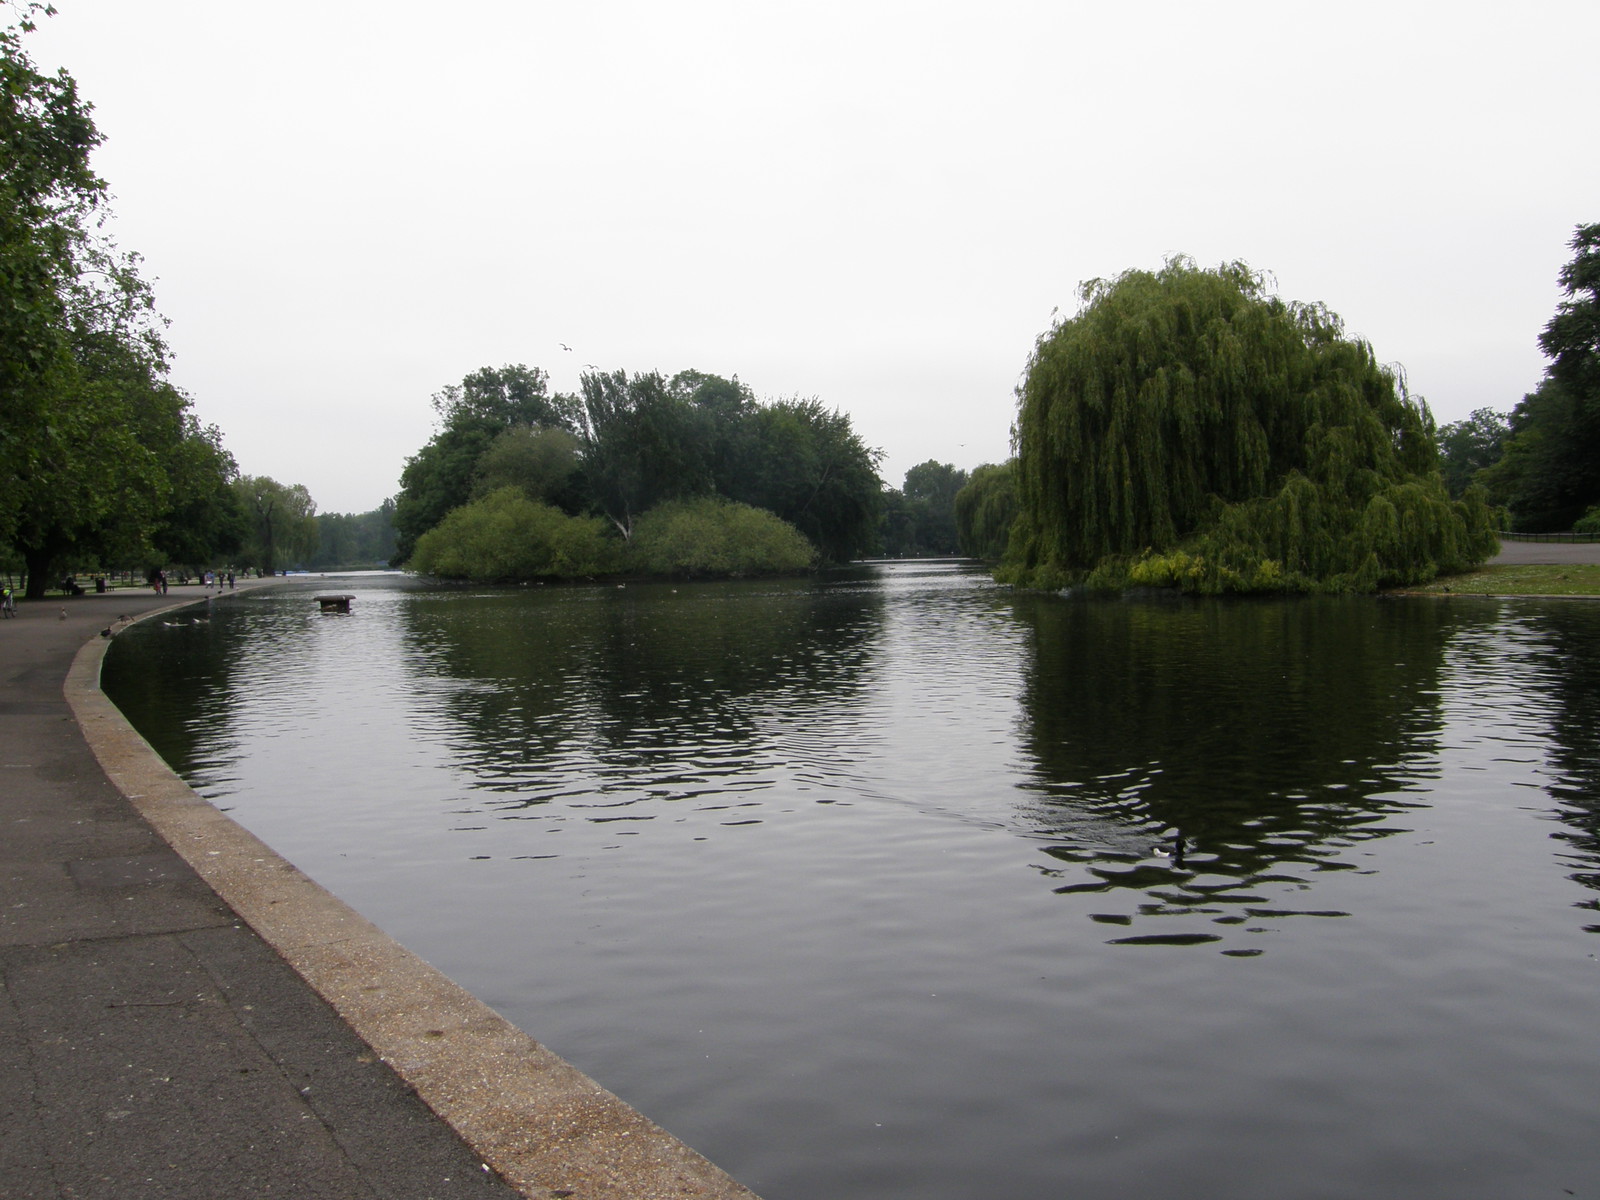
{"x": 544, "y": 1126}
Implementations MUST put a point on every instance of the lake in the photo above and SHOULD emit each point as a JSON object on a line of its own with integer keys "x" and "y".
{"x": 896, "y": 883}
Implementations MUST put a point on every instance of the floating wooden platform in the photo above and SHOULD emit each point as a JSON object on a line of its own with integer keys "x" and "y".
{"x": 340, "y": 603}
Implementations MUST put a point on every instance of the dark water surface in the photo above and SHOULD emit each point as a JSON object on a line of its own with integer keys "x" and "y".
{"x": 896, "y": 884}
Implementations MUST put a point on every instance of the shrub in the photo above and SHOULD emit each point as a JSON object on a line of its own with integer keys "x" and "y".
{"x": 713, "y": 536}
{"x": 506, "y": 536}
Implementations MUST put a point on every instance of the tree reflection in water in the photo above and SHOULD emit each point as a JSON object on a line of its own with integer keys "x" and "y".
{"x": 1184, "y": 753}
{"x": 640, "y": 690}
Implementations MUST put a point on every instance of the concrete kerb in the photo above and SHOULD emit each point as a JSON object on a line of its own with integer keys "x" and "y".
{"x": 544, "y": 1126}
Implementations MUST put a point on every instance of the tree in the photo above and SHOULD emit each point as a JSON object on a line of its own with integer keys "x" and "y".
{"x": 282, "y": 522}
{"x": 985, "y": 510}
{"x": 500, "y": 398}
{"x": 643, "y": 444}
{"x": 355, "y": 539}
{"x": 47, "y": 195}
{"x": 1188, "y": 429}
{"x": 541, "y": 460}
{"x": 806, "y": 463}
{"x": 930, "y": 493}
{"x": 122, "y": 473}
{"x": 1572, "y": 337}
{"x": 472, "y": 414}
{"x": 642, "y": 440}
{"x": 897, "y": 525}
{"x": 100, "y": 457}
{"x": 1550, "y": 472}
{"x": 721, "y": 410}
{"x": 1468, "y": 446}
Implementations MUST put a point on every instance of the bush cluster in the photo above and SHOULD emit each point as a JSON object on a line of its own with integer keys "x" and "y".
{"x": 508, "y": 537}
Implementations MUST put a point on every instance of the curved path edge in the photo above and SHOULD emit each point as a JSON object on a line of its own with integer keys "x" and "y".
{"x": 543, "y": 1125}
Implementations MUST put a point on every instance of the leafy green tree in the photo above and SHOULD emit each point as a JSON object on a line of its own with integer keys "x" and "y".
{"x": 100, "y": 457}
{"x": 500, "y": 398}
{"x": 643, "y": 443}
{"x": 282, "y": 522}
{"x": 204, "y": 521}
{"x": 48, "y": 195}
{"x": 806, "y": 463}
{"x": 542, "y": 460}
{"x": 986, "y": 509}
{"x": 930, "y": 491}
{"x": 711, "y": 536}
{"x": 472, "y": 414}
{"x": 1188, "y": 429}
{"x": 1468, "y": 446}
{"x": 642, "y": 440}
{"x": 897, "y": 525}
{"x": 721, "y": 410}
{"x": 1550, "y": 471}
{"x": 123, "y": 474}
{"x": 355, "y": 539}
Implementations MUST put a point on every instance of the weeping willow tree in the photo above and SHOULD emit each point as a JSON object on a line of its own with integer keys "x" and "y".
{"x": 1189, "y": 429}
{"x": 986, "y": 509}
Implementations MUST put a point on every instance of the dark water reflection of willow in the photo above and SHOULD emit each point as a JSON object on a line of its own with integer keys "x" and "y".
{"x": 1189, "y": 752}
{"x": 1571, "y": 667}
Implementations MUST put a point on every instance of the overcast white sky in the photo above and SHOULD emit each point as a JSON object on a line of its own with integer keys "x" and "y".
{"x": 349, "y": 204}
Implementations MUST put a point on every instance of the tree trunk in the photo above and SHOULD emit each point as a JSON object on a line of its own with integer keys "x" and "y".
{"x": 39, "y": 560}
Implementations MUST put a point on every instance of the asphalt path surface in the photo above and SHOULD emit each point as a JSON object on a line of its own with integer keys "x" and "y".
{"x": 151, "y": 1045}
{"x": 1527, "y": 553}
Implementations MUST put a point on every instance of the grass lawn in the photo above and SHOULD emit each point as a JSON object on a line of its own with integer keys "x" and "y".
{"x": 1558, "y": 579}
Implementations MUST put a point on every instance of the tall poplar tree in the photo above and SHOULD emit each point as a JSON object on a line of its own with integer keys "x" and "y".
{"x": 1188, "y": 428}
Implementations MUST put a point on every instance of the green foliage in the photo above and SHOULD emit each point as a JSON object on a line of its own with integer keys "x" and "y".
{"x": 204, "y": 521}
{"x": 713, "y": 536}
{"x": 642, "y": 444}
{"x": 281, "y": 523}
{"x": 100, "y": 459}
{"x": 930, "y": 503}
{"x": 442, "y": 475}
{"x": 48, "y": 195}
{"x": 985, "y": 510}
{"x": 1550, "y": 472}
{"x": 1190, "y": 412}
{"x": 1467, "y": 447}
{"x": 542, "y": 460}
{"x": 897, "y": 529}
{"x": 501, "y": 398}
{"x": 508, "y": 537}
{"x": 805, "y": 463}
{"x": 641, "y": 441}
{"x": 920, "y": 520}
{"x": 1589, "y": 522}
{"x": 355, "y": 539}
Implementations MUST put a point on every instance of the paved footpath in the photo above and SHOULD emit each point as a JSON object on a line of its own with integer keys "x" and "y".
{"x": 1521, "y": 553}
{"x": 154, "y": 1044}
